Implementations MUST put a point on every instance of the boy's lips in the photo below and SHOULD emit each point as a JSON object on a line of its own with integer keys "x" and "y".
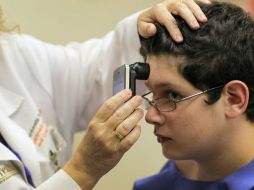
{"x": 162, "y": 139}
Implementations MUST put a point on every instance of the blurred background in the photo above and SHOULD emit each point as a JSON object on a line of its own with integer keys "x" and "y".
{"x": 62, "y": 21}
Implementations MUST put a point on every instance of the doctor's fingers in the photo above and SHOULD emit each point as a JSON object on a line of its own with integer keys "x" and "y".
{"x": 127, "y": 142}
{"x": 124, "y": 128}
{"x": 123, "y": 112}
{"x": 186, "y": 8}
{"x": 163, "y": 13}
{"x": 111, "y": 105}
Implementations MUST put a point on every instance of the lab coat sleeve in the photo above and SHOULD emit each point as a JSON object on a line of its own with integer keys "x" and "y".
{"x": 78, "y": 76}
{"x": 98, "y": 60}
{"x": 118, "y": 47}
{"x": 59, "y": 181}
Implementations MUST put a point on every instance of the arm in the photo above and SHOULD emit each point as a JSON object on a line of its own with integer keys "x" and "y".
{"x": 101, "y": 149}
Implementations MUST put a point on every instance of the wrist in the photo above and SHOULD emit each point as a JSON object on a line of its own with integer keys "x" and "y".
{"x": 80, "y": 176}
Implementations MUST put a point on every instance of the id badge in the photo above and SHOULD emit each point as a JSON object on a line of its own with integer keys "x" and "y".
{"x": 49, "y": 142}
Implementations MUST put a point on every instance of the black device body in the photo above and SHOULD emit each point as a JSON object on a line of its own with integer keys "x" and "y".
{"x": 125, "y": 76}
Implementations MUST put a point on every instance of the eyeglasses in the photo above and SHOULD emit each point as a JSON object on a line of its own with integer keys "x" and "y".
{"x": 167, "y": 104}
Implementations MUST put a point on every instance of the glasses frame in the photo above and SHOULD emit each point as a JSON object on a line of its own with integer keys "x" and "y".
{"x": 174, "y": 102}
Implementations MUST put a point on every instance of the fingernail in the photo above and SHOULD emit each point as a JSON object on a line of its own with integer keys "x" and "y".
{"x": 179, "y": 38}
{"x": 195, "y": 24}
{"x": 202, "y": 17}
{"x": 150, "y": 30}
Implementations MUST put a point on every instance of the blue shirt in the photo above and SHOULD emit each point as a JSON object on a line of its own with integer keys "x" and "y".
{"x": 170, "y": 179}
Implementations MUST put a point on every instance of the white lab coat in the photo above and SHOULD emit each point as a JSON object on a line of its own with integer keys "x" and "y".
{"x": 47, "y": 90}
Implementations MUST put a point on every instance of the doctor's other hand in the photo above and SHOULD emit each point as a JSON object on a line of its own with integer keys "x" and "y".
{"x": 111, "y": 132}
{"x": 163, "y": 13}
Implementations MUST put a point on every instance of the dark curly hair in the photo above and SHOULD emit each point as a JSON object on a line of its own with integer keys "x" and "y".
{"x": 220, "y": 51}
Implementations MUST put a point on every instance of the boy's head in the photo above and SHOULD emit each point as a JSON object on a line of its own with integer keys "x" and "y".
{"x": 202, "y": 89}
{"x": 220, "y": 51}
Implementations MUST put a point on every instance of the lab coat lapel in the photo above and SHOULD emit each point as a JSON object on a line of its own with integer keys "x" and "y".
{"x": 38, "y": 67}
{"x": 18, "y": 139}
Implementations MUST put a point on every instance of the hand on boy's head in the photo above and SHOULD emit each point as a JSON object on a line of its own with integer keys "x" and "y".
{"x": 163, "y": 13}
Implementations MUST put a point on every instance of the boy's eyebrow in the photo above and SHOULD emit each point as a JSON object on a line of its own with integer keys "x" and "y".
{"x": 159, "y": 85}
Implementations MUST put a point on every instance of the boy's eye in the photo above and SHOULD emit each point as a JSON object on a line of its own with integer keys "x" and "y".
{"x": 174, "y": 96}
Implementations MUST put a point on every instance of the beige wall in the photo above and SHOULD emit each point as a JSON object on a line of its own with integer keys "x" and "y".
{"x": 60, "y": 21}
{"x": 64, "y": 20}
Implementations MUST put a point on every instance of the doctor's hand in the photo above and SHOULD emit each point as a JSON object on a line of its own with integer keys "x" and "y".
{"x": 111, "y": 132}
{"x": 163, "y": 13}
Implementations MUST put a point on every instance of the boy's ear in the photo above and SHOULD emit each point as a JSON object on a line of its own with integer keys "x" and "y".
{"x": 236, "y": 98}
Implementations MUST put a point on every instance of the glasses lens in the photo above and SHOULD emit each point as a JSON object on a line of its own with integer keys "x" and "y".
{"x": 164, "y": 104}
